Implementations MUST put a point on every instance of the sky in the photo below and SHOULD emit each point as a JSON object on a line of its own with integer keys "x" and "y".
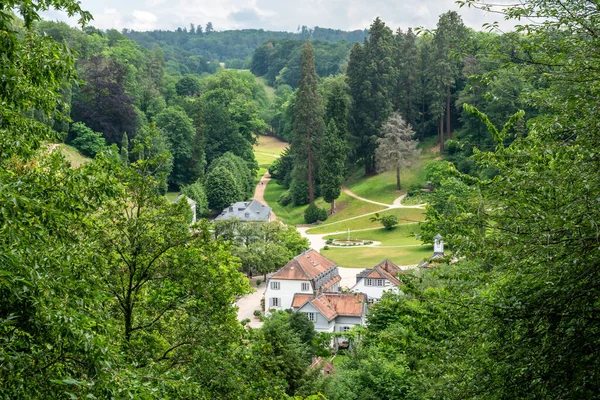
{"x": 278, "y": 15}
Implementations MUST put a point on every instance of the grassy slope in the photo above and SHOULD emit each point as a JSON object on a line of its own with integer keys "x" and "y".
{"x": 405, "y": 215}
{"x": 269, "y": 89}
{"x": 382, "y": 187}
{"x": 367, "y": 257}
{"x": 402, "y": 235}
{"x": 73, "y": 155}
{"x": 266, "y": 151}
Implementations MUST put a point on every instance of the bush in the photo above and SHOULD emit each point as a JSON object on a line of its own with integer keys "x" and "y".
{"x": 329, "y": 241}
{"x": 389, "y": 221}
{"x": 285, "y": 198}
{"x": 196, "y": 192}
{"x": 88, "y": 142}
{"x": 326, "y": 248}
{"x": 258, "y": 282}
{"x": 299, "y": 192}
{"x": 314, "y": 214}
{"x": 414, "y": 190}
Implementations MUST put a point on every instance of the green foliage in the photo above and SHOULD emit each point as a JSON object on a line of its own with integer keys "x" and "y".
{"x": 87, "y": 141}
{"x": 285, "y": 198}
{"x": 221, "y": 188}
{"x": 243, "y": 176}
{"x": 313, "y": 214}
{"x": 389, "y": 221}
{"x": 189, "y": 85}
{"x": 282, "y": 167}
{"x": 196, "y": 192}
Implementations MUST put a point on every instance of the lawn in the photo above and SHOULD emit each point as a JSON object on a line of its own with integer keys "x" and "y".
{"x": 73, "y": 155}
{"x": 382, "y": 187}
{"x": 402, "y": 235}
{"x": 290, "y": 214}
{"x": 266, "y": 151}
{"x": 405, "y": 215}
{"x": 171, "y": 196}
{"x": 269, "y": 89}
{"x": 367, "y": 257}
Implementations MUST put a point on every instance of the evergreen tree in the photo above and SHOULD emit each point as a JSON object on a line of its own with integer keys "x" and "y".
{"x": 370, "y": 74}
{"x": 397, "y": 148}
{"x": 308, "y": 123}
{"x": 332, "y": 154}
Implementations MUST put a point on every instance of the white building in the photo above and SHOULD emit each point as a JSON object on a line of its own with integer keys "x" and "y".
{"x": 309, "y": 274}
{"x": 333, "y": 312}
{"x": 192, "y": 205}
{"x": 375, "y": 281}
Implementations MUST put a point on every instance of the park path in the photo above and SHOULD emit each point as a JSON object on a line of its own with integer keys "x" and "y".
{"x": 396, "y": 204}
{"x": 259, "y": 192}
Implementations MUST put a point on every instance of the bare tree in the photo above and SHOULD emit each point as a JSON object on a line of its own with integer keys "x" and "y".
{"x": 397, "y": 148}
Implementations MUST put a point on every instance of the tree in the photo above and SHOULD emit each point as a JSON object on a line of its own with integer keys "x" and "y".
{"x": 397, "y": 148}
{"x": 189, "y": 85}
{"x": 103, "y": 103}
{"x": 196, "y": 192}
{"x": 177, "y": 127}
{"x": 221, "y": 188}
{"x": 308, "y": 123}
{"x": 209, "y": 27}
{"x": 86, "y": 140}
{"x": 370, "y": 71}
{"x": 333, "y": 155}
{"x": 125, "y": 149}
{"x": 388, "y": 221}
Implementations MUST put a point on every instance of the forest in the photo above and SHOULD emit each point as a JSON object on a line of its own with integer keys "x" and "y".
{"x": 106, "y": 292}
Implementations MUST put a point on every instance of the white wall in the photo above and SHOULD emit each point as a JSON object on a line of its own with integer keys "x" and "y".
{"x": 374, "y": 292}
{"x": 287, "y": 290}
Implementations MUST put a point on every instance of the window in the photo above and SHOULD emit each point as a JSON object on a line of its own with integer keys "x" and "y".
{"x": 371, "y": 300}
{"x": 275, "y": 302}
{"x": 305, "y": 286}
{"x": 311, "y": 316}
{"x": 369, "y": 282}
{"x": 275, "y": 285}
{"x": 374, "y": 282}
{"x": 344, "y": 329}
{"x": 380, "y": 282}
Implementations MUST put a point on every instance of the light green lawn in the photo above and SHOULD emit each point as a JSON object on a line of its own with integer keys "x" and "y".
{"x": 73, "y": 155}
{"x": 171, "y": 196}
{"x": 405, "y": 215}
{"x": 382, "y": 187}
{"x": 269, "y": 89}
{"x": 266, "y": 151}
{"x": 367, "y": 257}
{"x": 290, "y": 214}
{"x": 402, "y": 235}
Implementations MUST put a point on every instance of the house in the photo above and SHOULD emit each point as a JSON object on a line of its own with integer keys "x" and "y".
{"x": 191, "y": 203}
{"x": 308, "y": 274}
{"x": 333, "y": 312}
{"x": 246, "y": 211}
{"x": 377, "y": 280}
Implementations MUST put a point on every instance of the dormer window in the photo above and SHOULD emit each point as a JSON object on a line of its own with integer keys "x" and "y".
{"x": 305, "y": 286}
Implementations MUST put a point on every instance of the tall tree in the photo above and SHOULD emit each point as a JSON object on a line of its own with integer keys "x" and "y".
{"x": 370, "y": 74}
{"x": 333, "y": 155}
{"x": 308, "y": 122}
{"x": 397, "y": 148}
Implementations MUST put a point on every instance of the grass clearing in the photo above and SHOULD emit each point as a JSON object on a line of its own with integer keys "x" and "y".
{"x": 366, "y": 257}
{"x": 290, "y": 214}
{"x": 402, "y": 235}
{"x": 382, "y": 187}
{"x": 266, "y": 151}
{"x": 73, "y": 155}
{"x": 171, "y": 196}
{"x": 405, "y": 216}
{"x": 269, "y": 89}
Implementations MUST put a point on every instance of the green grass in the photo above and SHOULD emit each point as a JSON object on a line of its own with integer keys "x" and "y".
{"x": 405, "y": 215}
{"x": 269, "y": 89}
{"x": 171, "y": 196}
{"x": 73, "y": 155}
{"x": 400, "y": 236}
{"x": 290, "y": 214}
{"x": 266, "y": 151}
{"x": 364, "y": 257}
{"x": 382, "y": 187}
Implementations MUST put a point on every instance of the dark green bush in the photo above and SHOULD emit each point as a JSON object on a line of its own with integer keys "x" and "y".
{"x": 285, "y": 198}
{"x": 314, "y": 214}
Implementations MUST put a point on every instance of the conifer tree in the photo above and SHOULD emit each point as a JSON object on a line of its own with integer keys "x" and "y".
{"x": 308, "y": 123}
{"x": 333, "y": 153}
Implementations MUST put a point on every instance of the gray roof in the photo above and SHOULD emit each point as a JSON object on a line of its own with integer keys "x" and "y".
{"x": 246, "y": 211}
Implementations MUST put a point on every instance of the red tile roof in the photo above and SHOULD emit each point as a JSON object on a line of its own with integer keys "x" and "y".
{"x": 386, "y": 270}
{"x": 300, "y": 299}
{"x": 305, "y": 266}
{"x": 332, "y": 305}
{"x": 332, "y": 282}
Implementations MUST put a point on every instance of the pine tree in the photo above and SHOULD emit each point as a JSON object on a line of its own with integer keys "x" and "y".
{"x": 333, "y": 153}
{"x": 308, "y": 122}
{"x": 397, "y": 148}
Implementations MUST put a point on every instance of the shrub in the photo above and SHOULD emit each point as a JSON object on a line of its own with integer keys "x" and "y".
{"x": 88, "y": 142}
{"x": 196, "y": 192}
{"x": 326, "y": 248}
{"x": 389, "y": 221}
{"x": 285, "y": 198}
{"x": 329, "y": 241}
{"x": 257, "y": 313}
{"x": 258, "y": 282}
{"x": 314, "y": 214}
{"x": 245, "y": 321}
{"x": 414, "y": 190}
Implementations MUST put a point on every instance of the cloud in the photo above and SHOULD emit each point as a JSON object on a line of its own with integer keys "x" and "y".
{"x": 275, "y": 14}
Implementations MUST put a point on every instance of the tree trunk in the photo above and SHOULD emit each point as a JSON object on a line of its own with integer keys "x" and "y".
{"x": 332, "y": 211}
{"x": 128, "y": 324}
{"x": 448, "y": 132}
{"x": 311, "y": 189}
{"x": 265, "y": 277}
{"x": 398, "y": 178}
{"x": 441, "y": 133}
